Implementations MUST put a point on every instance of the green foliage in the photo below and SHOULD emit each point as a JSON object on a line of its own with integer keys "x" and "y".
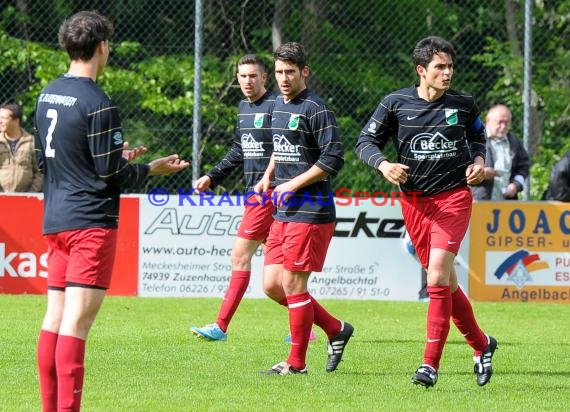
{"x": 356, "y": 57}
{"x": 551, "y": 32}
{"x": 542, "y": 166}
{"x": 31, "y": 61}
{"x": 548, "y": 86}
{"x": 508, "y": 86}
{"x": 157, "y": 93}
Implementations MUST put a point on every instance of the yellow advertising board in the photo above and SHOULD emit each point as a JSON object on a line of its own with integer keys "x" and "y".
{"x": 520, "y": 252}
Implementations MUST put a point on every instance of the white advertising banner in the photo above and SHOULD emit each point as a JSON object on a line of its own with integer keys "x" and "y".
{"x": 185, "y": 251}
{"x": 367, "y": 258}
{"x": 185, "y": 248}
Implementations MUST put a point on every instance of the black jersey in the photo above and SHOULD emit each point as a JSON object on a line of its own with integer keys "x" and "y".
{"x": 80, "y": 142}
{"x": 305, "y": 134}
{"x": 437, "y": 140}
{"x": 252, "y": 144}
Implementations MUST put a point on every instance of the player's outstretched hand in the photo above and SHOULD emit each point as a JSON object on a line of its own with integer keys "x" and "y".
{"x": 203, "y": 184}
{"x": 167, "y": 165}
{"x": 132, "y": 154}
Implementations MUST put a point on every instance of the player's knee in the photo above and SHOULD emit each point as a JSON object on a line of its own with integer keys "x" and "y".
{"x": 274, "y": 292}
{"x": 438, "y": 278}
{"x": 51, "y": 323}
{"x": 241, "y": 257}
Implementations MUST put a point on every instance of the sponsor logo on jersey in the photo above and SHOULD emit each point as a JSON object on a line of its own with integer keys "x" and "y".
{"x": 427, "y": 146}
{"x": 258, "y": 120}
{"x": 372, "y": 127}
{"x": 294, "y": 122}
{"x": 451, "y": 116}
{"x": 284, "y": 150}
{"x": 251, "y": 147}
{"x": 118, "y": 138}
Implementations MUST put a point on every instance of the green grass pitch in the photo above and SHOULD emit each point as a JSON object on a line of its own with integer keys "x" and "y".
{"x": 142, "y": 357}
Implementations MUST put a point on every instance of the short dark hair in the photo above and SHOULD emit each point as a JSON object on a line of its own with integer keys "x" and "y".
{"x": 428, "y": 47}
{"x": 81, "y": 33}
{"x": 293, "y": 53}
{"x": 15, "y": 109}
{"x": 253, "y": 59}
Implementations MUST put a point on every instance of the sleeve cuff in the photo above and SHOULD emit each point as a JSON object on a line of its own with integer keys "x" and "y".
{"x": 519, "y": 181}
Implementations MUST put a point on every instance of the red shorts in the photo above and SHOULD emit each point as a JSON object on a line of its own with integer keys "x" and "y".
{"x": 81, "y": 256}
{"x": 299, "y": 247}
{"x": 437, "y": 222}
{"x": 257, "y": 219}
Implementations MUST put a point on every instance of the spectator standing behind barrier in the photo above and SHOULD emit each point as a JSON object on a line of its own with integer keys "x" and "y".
{"x": 559, "y": 184}
{"x": 19, "y": 170}
{"x": 307, "y": 150}
{"x": 81, "y": 150}
{"x": 507, "y": 163}
{"x": 440, "y": 141}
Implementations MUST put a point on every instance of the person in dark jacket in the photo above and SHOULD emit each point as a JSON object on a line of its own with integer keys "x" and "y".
{"x": 559, "y": 185}
{"x": 507, "y": 163}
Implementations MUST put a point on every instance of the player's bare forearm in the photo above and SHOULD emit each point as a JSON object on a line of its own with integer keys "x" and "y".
{"x": 314, "y": 174}
{"x": 270, "y": 171}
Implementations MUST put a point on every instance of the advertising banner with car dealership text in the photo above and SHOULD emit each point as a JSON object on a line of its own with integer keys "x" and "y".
{"x": 186, "y": 244}
{"x": 513, "y": 251}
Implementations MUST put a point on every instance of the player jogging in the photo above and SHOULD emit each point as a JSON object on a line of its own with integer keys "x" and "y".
{"x": 251, "y": 147}
{"x": 306, "y": 151}
{"x": 440, "y": 141}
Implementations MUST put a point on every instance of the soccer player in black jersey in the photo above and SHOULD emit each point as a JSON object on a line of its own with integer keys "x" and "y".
{"x": 306, "y": 151}
{"x": 85, "y": 164}
{"x": 440, "y": 141}
{"x": 251, "y": 147}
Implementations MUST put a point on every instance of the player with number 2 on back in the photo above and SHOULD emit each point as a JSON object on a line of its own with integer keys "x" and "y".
{"x": 85, "y": 163}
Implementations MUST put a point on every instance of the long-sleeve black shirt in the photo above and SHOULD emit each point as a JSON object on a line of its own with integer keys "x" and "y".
{"x": 437, "y": 140}
{"x": 80, "y": 143}
{"x": 305, "y": 134}
{"x": 252, "y": 144}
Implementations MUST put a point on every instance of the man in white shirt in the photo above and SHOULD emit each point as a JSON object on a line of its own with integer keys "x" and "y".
{"x": 507, "y": 163}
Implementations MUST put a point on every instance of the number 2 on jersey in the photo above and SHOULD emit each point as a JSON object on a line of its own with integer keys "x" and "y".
{"x": 51, "y": 114}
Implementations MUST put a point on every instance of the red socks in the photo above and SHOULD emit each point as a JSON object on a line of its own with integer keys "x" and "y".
{"x": 47, "y": 342}
{"x": 325, "y": 320}
{"x": 236, "y": 289}
{"x": 70, "y": 358}
{"x": 464, "y": 319}
{"x": 322, "y": 318}
{"x": 61, "y": 369}
{"x": 438, "y": 314}
{"x": 442, "y": 305}
{"x": 301, "y": 316}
